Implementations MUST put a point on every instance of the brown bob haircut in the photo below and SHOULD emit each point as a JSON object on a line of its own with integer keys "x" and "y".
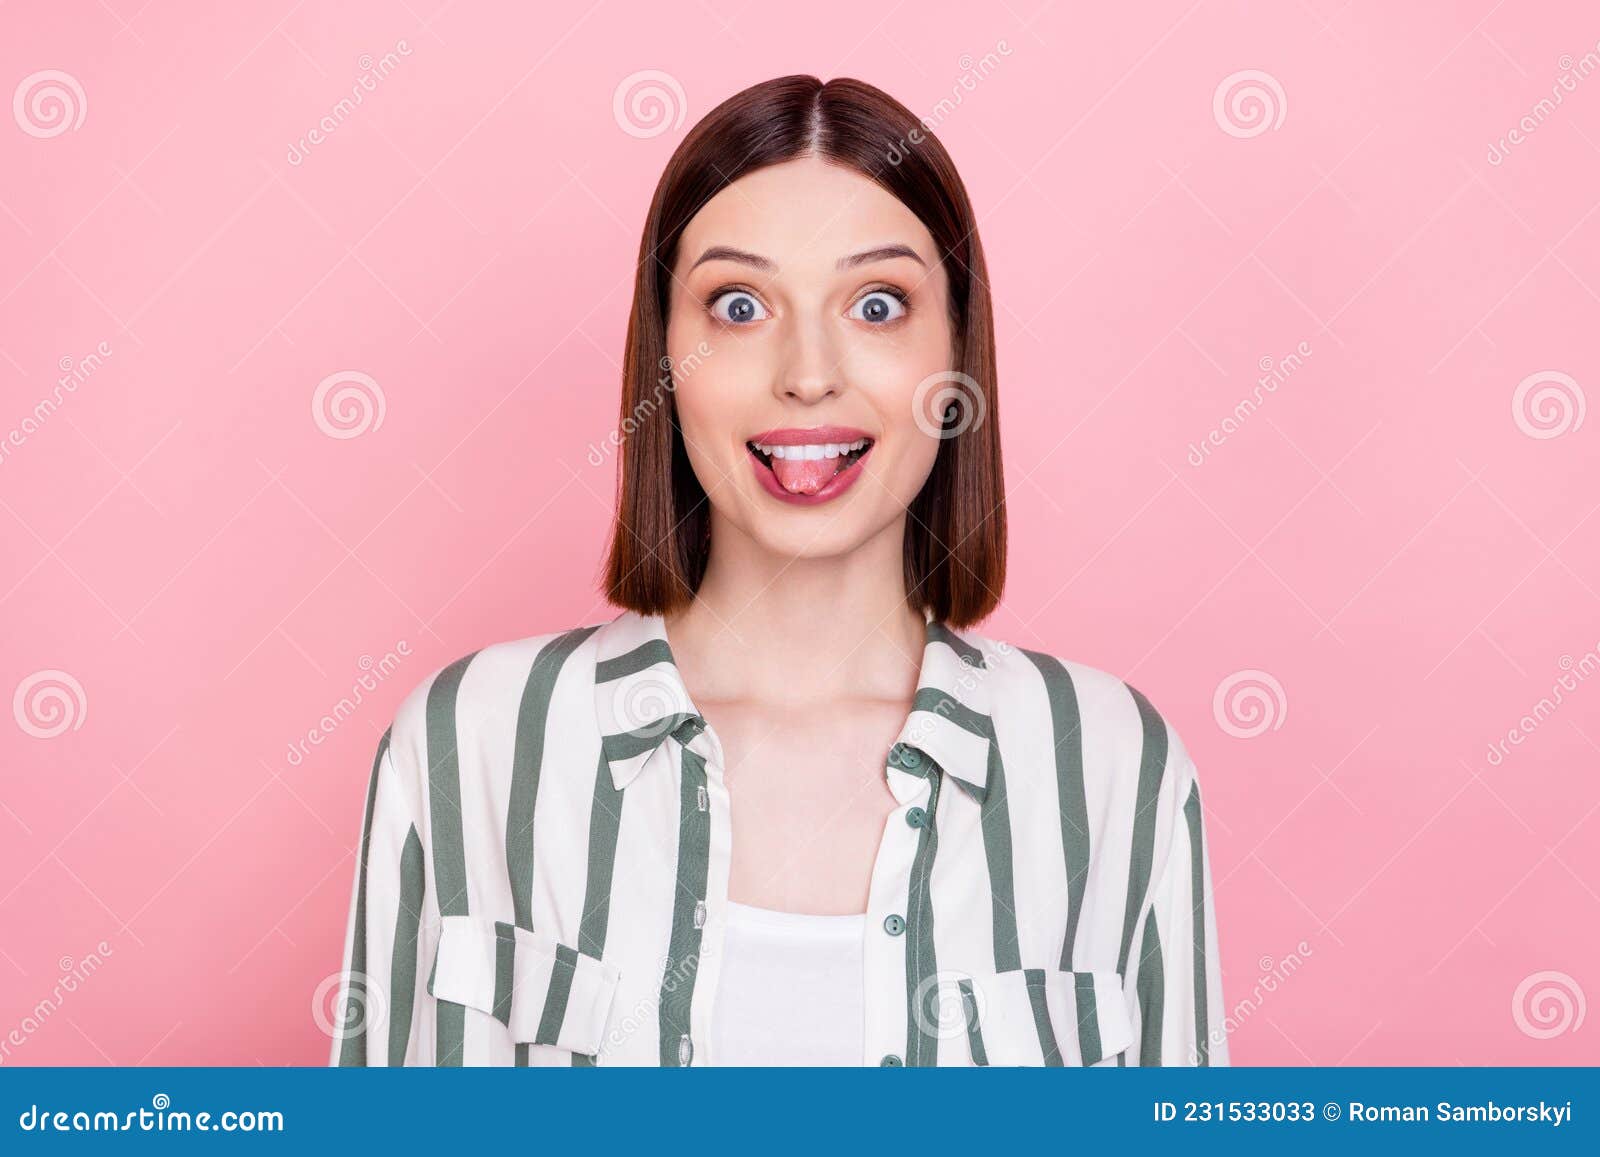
{"x": 955, "y": 541}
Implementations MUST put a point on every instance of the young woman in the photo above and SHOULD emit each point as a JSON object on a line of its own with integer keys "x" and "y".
{"x": 786, "y": 808}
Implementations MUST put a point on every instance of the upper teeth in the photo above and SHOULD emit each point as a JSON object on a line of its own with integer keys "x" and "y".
{"x": 815, "y": 450}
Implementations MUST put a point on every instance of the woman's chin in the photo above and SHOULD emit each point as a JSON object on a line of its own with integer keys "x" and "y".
{"x": 809, "y": 534}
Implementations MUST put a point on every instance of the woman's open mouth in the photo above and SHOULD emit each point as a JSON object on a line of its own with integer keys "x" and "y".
{"x": 809, "y": 466}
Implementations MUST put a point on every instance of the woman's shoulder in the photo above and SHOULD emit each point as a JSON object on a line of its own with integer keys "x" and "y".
{"x": 493, "y": 684}
{"x": 1098, "y": 717}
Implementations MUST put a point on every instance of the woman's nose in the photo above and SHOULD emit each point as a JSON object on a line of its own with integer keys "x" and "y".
{"x": 811, "y": 369}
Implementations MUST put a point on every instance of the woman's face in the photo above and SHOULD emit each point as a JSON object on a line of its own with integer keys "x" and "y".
{"x": 807, "y": 306}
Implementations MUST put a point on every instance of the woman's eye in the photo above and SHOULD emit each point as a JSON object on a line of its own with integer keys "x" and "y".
{"x": 878, "y": 308}
{"x": 737, "y": 307}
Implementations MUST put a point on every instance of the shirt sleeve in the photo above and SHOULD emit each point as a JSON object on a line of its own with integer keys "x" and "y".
{"x": 1177, "y": 985}
{"x": 380, "y": 989}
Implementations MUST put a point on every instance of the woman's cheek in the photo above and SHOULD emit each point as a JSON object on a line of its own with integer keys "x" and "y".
{"x": 709, "y": 410}
{"x": 920, "y": 462}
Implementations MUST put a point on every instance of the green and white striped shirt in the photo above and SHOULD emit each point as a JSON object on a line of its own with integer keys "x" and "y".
{"x": 543, "y": 868}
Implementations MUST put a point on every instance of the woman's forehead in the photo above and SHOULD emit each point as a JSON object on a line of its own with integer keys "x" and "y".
{"x": 804, "y": 213}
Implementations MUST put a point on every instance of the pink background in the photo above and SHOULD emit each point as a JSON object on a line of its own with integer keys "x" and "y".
{"x": 1411, "y": 558}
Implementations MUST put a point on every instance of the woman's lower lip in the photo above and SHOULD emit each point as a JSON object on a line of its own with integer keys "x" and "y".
{"x": 834, "y": 487}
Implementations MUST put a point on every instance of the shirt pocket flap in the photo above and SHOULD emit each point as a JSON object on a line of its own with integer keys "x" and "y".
{"x": 543, "y": 991}
{"x": 1045, "y": 1016}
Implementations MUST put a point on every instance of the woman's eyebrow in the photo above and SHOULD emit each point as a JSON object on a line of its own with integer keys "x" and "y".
{"x": 881, "y": 253}
{"x": 767, "y": 265}
{"x": 729, "y": 253}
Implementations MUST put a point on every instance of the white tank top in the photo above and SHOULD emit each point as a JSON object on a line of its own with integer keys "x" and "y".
{"x": 791, "y": 990}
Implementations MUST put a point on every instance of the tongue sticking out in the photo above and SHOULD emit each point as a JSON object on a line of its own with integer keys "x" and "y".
{"x": 804, "y": 475}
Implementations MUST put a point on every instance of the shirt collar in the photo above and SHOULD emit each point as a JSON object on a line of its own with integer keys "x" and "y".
{"x": 640, "y": 699}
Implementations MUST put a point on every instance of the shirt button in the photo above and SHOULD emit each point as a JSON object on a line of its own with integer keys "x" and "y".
{"x": 890, "y": 1061}
{"x": 916, "y": 817}
{"x": 906, "y": 758}
{"x": 894, "y": 924}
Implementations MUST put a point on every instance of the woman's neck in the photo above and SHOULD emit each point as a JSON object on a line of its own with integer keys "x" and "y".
{"x": 772, "y": 629}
